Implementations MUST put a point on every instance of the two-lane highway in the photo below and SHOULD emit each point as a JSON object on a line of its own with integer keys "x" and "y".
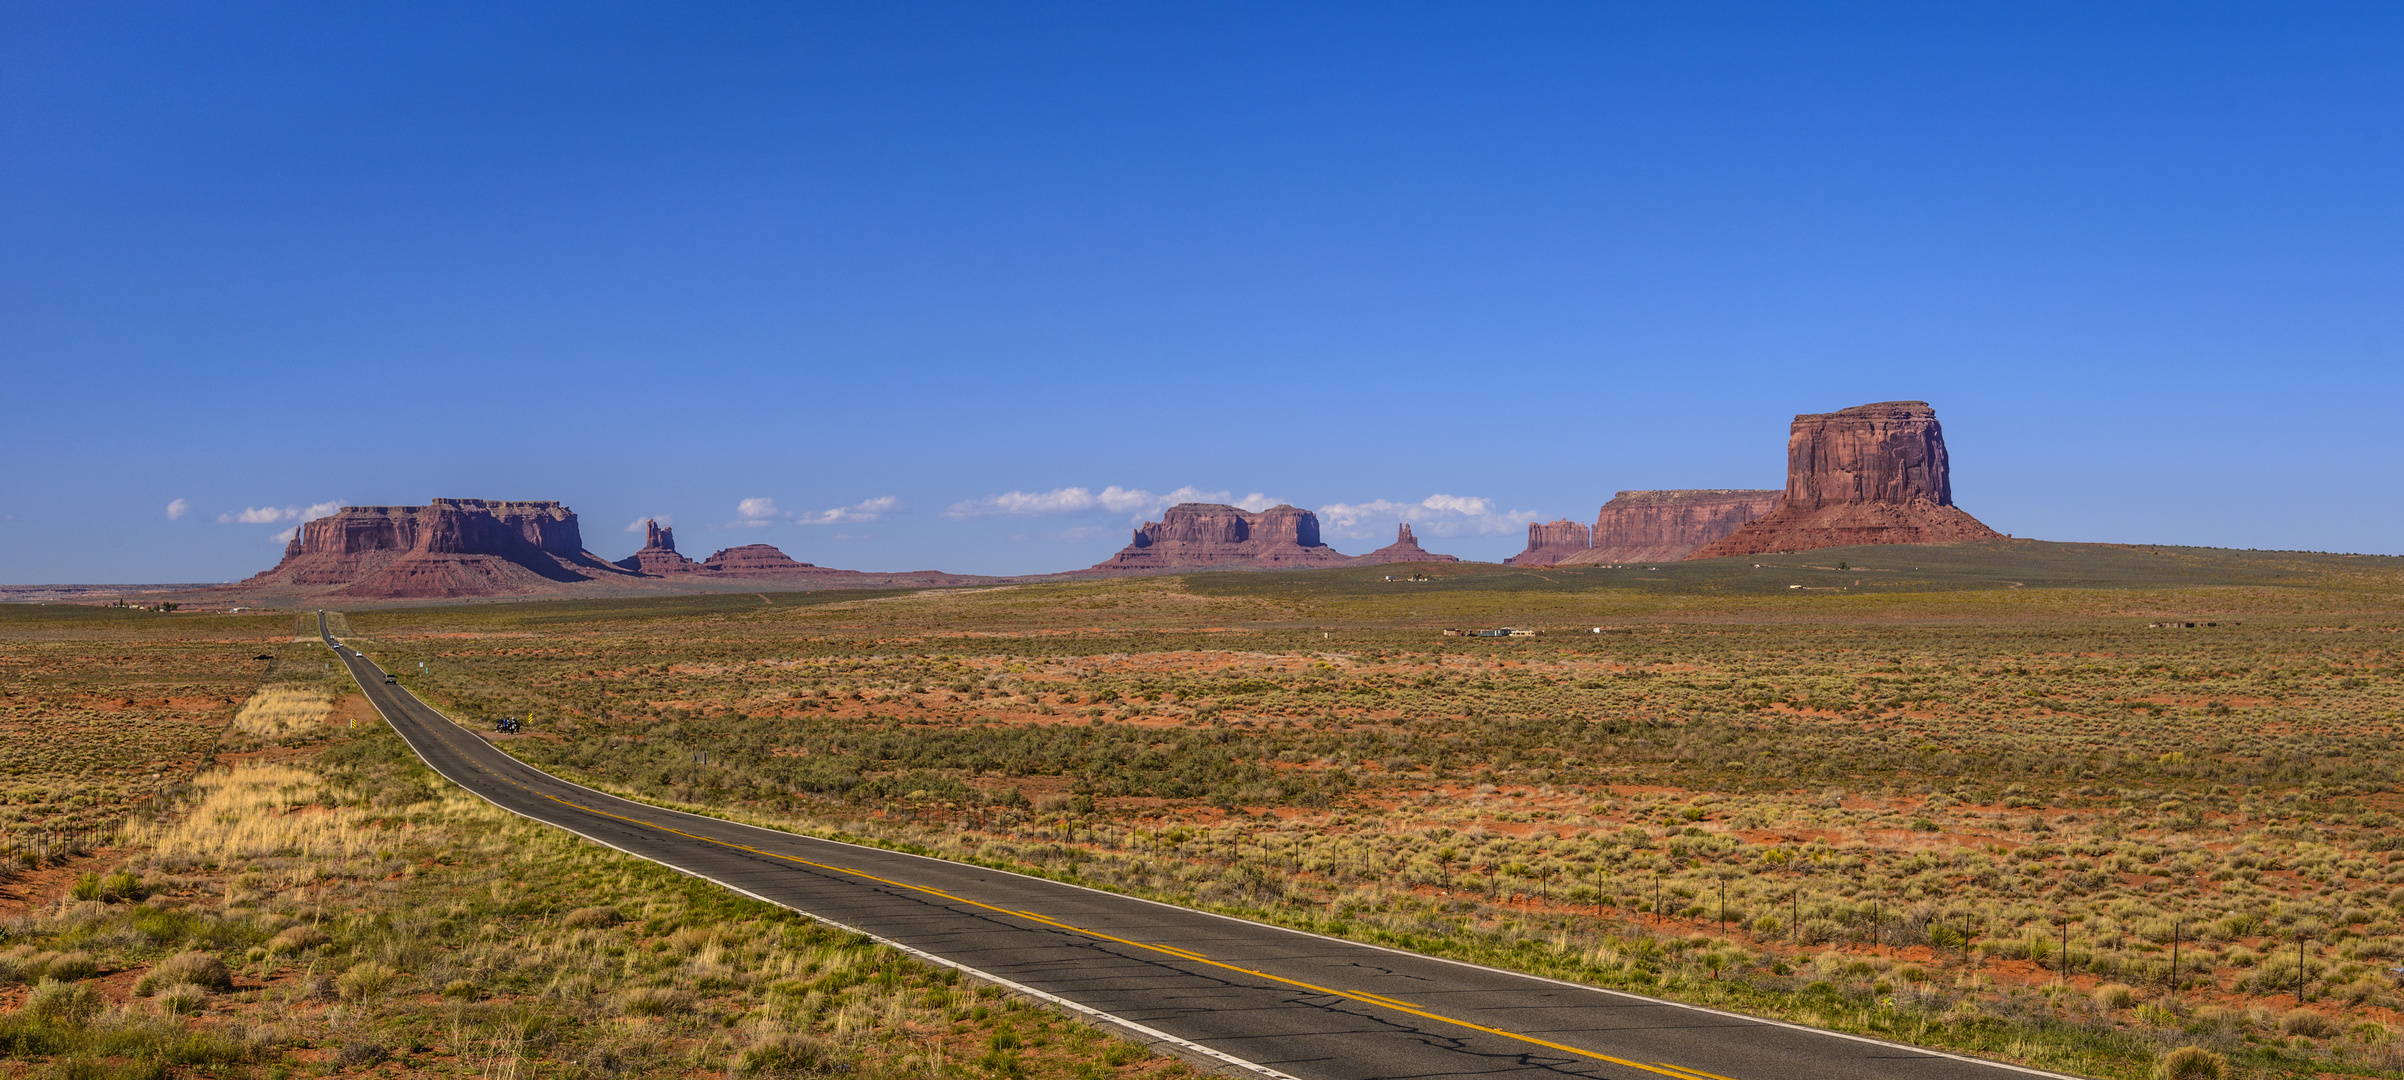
{"x": 1251, "y": 996}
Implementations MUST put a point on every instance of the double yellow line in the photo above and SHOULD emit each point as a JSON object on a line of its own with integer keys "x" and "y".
{"x": 1676, "y": 1072}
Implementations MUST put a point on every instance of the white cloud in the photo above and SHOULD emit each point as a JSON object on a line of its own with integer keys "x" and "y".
{"x": 1135, "y": 502}
{"x": 1437, "y": 515}
{"x": 1068, "y": 500}
{"x": 1121, "y": 500}
{"x": 286, "y": 536}
{"x": 176, "y": 509}
{"x": 637, "y": 524}
{"x": 757, "y": 513}
{"x": 269, "y": 515}
{"x": 1467, "y": 505}
{"x": 864, "y": 510}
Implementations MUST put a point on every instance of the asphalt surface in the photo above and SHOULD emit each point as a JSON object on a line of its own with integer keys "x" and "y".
{"x": 1253, "y": 997}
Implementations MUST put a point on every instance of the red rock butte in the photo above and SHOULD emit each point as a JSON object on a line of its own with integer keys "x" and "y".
{"x": 1664, "y": 526}
{"x": 754, "y": 559}
{"x": 1200, "y": 536}
{"x": 1871, "y": 474}
{"x": 1404, "y": 549}
{"x": 463, "y": 548}
{"x": 1550, "y": 542}
{"x": 446, "y": 548}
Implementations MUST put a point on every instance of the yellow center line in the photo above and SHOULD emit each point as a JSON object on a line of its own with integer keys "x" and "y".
{"x": 1691, "y": 1072}
{"x": 1661, "y": 1069}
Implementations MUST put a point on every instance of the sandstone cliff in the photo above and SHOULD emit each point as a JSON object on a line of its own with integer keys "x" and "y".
{"x": 658, "y": 556}
{"x": 472, "y": 548}
{"x": 1550, "y": 542}
{"x": 1871, "y": 474}
{"x": 1404, "y": 549}
{"x": 1193, "y": 536}
{"x": 447, "y": 548}
{"x": 1662, "y": 526}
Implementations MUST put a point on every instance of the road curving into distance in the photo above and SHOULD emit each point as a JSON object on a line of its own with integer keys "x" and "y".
{"x": 1247, "y": 997}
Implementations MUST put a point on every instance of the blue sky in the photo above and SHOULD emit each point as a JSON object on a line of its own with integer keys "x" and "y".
{"x": 926, "y": 283}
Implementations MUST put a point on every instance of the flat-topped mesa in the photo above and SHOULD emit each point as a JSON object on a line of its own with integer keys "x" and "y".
{"x": 1195, "y": 536}
{"x": 443, "y": 526}
{"x": 658, "y": 556}
{"x": 1871, "y": 474}
{"x": 446, "y": 548}
{"x": 1550, "y": 542}
{"x": 1664, "y": 526}
{"x": 758, "y": 560}
{"x": 1404, "y": 549}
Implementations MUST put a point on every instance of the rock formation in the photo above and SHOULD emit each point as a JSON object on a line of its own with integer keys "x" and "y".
{"x": 1662, "y": 526}
{"x": 468, "y": 548}
{"x": 759, "y": 560}
{"x": 1194, "y": 536}
{"x": 447, "y": 548}
{"x": 1550, "y": 542}
{"x": 1871, "y": 474}
{"x": 658, "y": 556}
{"x": 1405, "y": 548}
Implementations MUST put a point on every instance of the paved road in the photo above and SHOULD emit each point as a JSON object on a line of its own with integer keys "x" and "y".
{"x": 1254, "y": 997}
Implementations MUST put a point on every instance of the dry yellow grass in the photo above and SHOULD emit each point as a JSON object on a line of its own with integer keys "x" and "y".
{"x": 254, "y": 811}
{"x": 278, "y": 712}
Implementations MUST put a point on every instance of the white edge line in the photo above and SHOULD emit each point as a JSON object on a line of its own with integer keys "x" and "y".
{"x": 1152, "y": 1033}
{"x": 1705, "y": 1009}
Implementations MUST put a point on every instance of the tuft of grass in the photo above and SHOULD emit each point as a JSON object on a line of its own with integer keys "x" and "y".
{"x": 365, "y": 980}
{"x": 293, "y": 939}
{"x": 2191, "y": 1063}
{"x": 181, "y": 998}
{"x": 590, "y": 917}
{"x": 194, "y": 968}
{"x": 61, "y": 1003}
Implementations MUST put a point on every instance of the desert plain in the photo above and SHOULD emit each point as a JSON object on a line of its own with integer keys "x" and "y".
{"x": 2111, "y": 811}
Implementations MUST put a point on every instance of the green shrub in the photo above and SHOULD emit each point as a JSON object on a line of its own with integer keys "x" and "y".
{"x": 23, "y": 964}
{"x": 365, "y": 979}
{"x": 55, "y": 1002}
{"x": 197, "y": 968}
{"x": 2115, "y": 996}
{"x": 116, "y": 887}
{"x": 182, "y": 998}
{"x": 2308, "y": 1023}
{"x": 2191, "y": 1063}
{"x": 70, "y": 966}
{"x": 294, "y": 939}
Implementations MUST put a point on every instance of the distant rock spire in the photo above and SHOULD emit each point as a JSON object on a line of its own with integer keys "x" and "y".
{"x": 658, "y": 556}
{"x": 1404, "y": 549}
